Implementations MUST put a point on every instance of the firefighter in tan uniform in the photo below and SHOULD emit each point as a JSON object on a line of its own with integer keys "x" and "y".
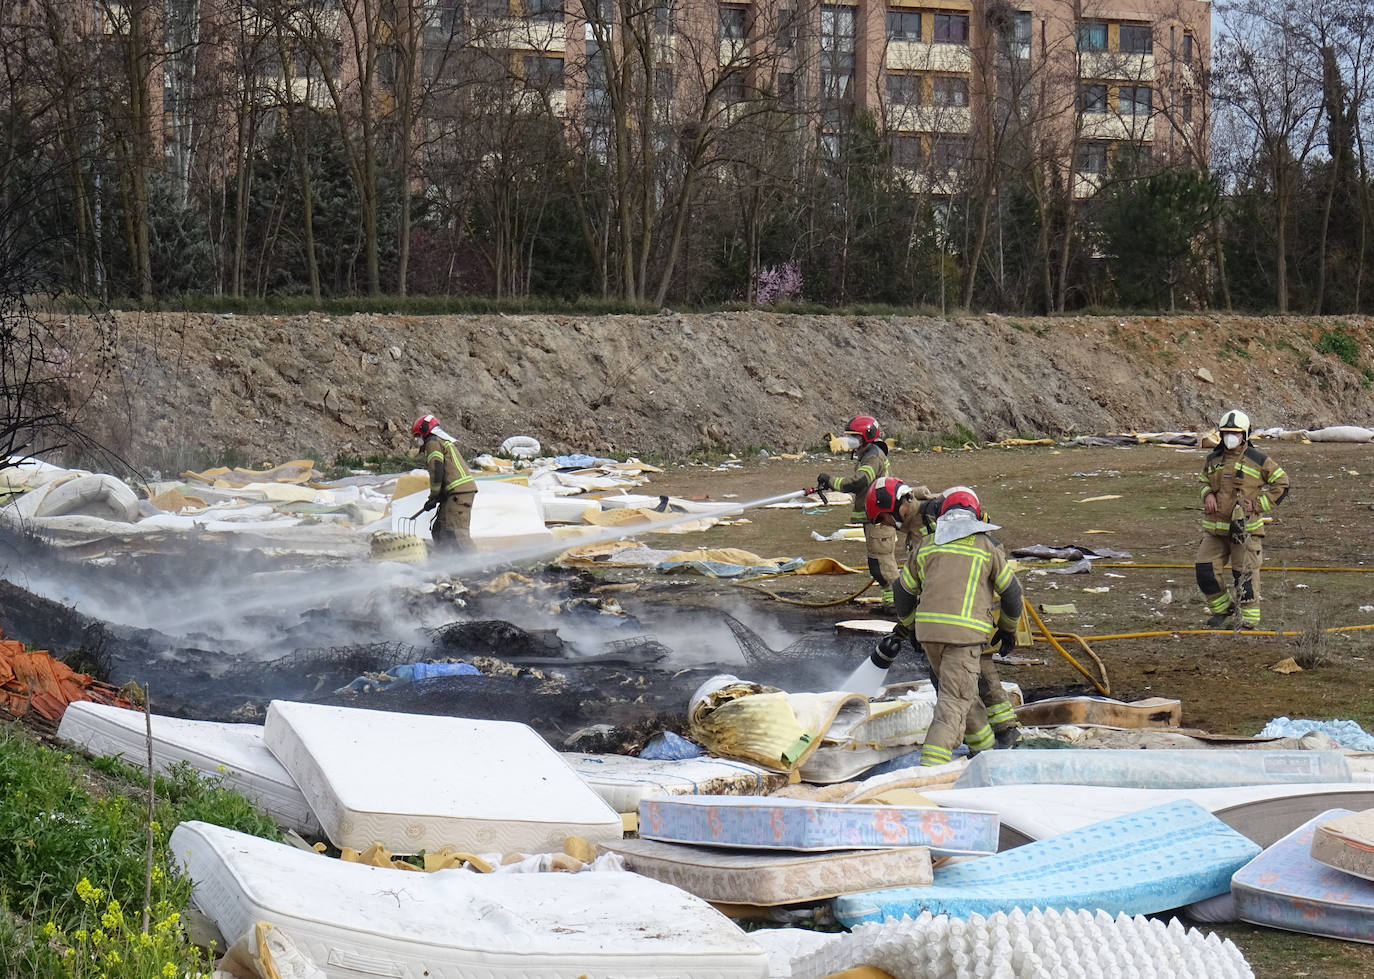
{"x": 1240, "y": 484}
{"x": 945, "y": 597}
{"x": 451, "y": 486}
{"x": 870, "y": 465}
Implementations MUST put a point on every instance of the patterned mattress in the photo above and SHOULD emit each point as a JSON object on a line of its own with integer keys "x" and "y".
{"x": 794, "y": 824}
{"x": 1285, "y": 888}
{"x": 1149, "y": 861}
{"x": 773, "y": 877}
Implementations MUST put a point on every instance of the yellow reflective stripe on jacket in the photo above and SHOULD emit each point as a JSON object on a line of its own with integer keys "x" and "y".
{"x": 1216, "y": 526}
{"x": 1003, "y": 579}
{"x": 453, "y": 485}
{"x": 1264, "y": 503}
{"x": 871, "y": 475}
{"x": 966, "y": 615}
{"x": 1206, "y": 484}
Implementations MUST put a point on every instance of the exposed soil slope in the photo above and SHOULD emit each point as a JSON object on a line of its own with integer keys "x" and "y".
{"x": 187, "y": 388}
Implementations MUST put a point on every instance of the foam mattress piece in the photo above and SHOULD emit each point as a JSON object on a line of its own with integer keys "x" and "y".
{"x": 1285, "y": 888}
{"x": 773, "y": 877}
{"x": 357, "y": 921}
{"x": 420, "y": 782}
{"x": 797, "y": 824}
{"x": 622, "y": 781}
{"x": 1035, "y": 944}
{"x": 1262, "y": 813}
{"x": 232, "y": 752}
{"x": 1159, "y": 768}
{"x": 1150, "y": 861}
{"x": 1347, "y": 843}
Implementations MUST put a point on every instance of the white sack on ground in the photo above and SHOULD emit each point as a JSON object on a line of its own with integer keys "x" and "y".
{"x": 1341, "y": 433}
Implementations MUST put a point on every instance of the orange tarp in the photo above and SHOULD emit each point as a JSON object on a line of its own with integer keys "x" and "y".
{"x": 35, "y": 681}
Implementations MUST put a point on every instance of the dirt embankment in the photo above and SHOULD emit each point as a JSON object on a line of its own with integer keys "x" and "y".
{"x": 186, "y": 389}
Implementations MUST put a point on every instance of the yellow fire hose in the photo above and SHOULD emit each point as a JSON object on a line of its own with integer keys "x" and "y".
{"x": 1104, "y": 687}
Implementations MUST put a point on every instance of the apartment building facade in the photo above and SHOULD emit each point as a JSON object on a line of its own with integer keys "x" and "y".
{"x": 951, "y": 82}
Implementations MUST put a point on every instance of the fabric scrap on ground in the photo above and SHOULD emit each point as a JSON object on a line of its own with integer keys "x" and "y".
{"x": 1346, "y": 733}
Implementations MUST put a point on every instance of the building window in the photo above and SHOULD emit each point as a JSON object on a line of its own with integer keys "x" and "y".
{"x": 1092, "y": 37}
{"x": 951, "y": 28}
{"x": 906, "y": 151}
{"x": 1092, "y": 157}
{"x": 734, "y": 22}
{"x": 903, "y": 25}
{"x": 1021, "y": 35}
{"x": 732, "y": 88}
{"x": 903, "y": 89}
{"x": 787, "y": 29}
{"x": 491, "y": 8}
{"x": 1092, "y": 99}
{"x": 664, "y": 85}
{"x": 595, "y": 93}
{"x": 787, "y": 87}
{"x": 1137, "y": 39}
{"x": 544, "y": 9}
{"x": 1187, "y": 107}
{"x": 837, "y": 51}
{"x": 541, "y": 72}
{"x": 1188, "y": 48}
{"x": 949, "y": 152}
{"x": 1134, "y": 100}
{"x": 663, "y": 18}
{"x": 951, "y": 90}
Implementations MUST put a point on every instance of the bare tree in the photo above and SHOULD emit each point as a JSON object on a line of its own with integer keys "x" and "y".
{"x": 1268, "y": 77}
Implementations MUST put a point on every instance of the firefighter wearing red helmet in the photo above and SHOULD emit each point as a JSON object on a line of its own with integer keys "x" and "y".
{"x": 957, "y": 573}
{"x": 870, "y": 465}
{"x": 451, "y": 486}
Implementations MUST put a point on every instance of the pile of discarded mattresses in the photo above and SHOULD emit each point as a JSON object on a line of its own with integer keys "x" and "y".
{"x": 1017, "y": 863}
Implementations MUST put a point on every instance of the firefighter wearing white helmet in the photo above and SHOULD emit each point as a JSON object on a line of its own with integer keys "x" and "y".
{"x": 1239, "y": 486}
{"x": 944, "y": 598}
{"x": 451, "y": 486}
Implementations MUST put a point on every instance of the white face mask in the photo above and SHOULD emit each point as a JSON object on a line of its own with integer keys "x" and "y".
{"x": 1231, "y": 440}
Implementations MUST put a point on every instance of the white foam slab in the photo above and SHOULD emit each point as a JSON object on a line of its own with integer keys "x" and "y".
{"x": 622, "y": 781}
{"x": 232, "y": 752}
{"x": 1037, "y": 943}
{"x": 1262, "y": 813}
{"x": 503, "y": 515}
{"x": 360, "y": 922}
{"x": 420, "y": 782}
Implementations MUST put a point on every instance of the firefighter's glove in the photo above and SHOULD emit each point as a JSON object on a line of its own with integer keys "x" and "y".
{"x": 824, "y": 482}
{"x": 1005, "y": 640}
{"x": 930, "y": 510}
{"x": 888, "y": 649}
{"x": 430, "y": 504}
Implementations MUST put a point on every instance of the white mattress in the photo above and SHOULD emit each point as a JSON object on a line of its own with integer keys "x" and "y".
{"x": 232, "y": 752}
{"x": 622, "y": 781}
{"x": 420, "y": 782}
{"x": 360, "y": 922}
